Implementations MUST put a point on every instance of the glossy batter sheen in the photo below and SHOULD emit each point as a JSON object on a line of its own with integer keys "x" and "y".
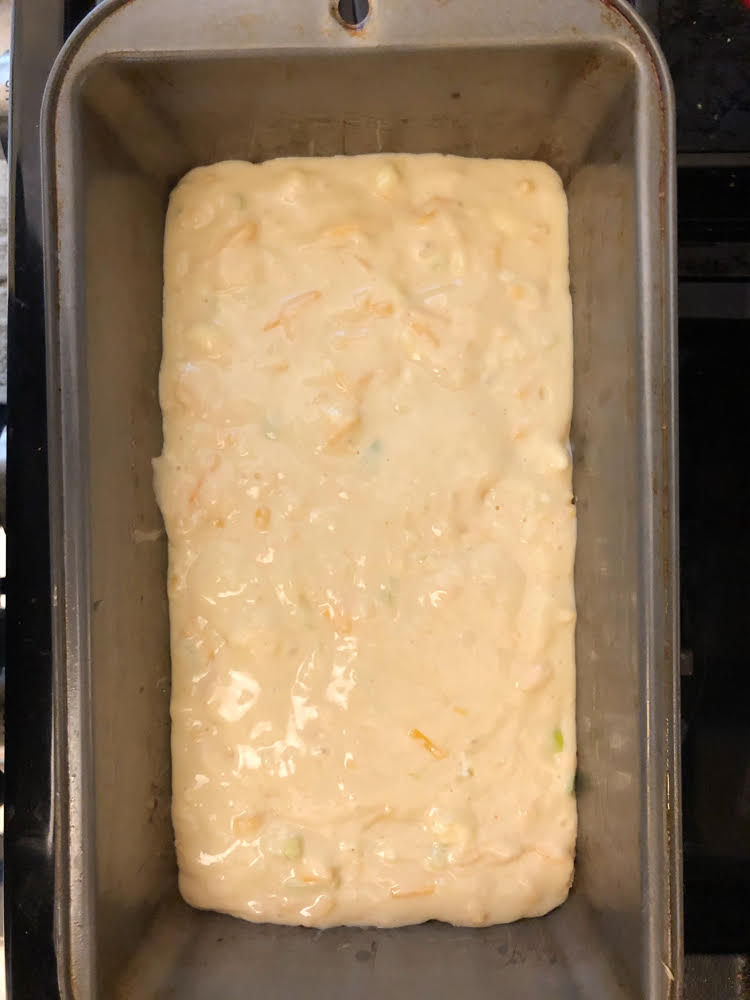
{"x": 366, "y": 482}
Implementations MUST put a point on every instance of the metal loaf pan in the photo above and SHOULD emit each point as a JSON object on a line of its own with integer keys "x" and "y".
{"x": 146, "y": 90}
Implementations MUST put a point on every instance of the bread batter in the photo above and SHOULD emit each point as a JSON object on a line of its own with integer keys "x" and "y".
{"x": 366, "y": 483}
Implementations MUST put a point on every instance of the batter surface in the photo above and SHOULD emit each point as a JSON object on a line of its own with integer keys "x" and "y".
{"x": 366, "y": 483}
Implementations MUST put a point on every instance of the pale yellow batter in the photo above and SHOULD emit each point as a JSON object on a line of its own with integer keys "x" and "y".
{"x": 366, "y": 483}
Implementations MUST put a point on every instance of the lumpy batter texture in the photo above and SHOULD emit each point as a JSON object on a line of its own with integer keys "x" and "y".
{"x": 366, "y": 483}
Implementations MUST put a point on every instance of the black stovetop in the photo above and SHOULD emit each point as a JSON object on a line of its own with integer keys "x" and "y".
{"x": 707, "y": 43}
{"x": 714, "y": 336}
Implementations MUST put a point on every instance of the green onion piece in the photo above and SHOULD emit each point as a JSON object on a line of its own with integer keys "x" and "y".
{"x": 293, "y": 848}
